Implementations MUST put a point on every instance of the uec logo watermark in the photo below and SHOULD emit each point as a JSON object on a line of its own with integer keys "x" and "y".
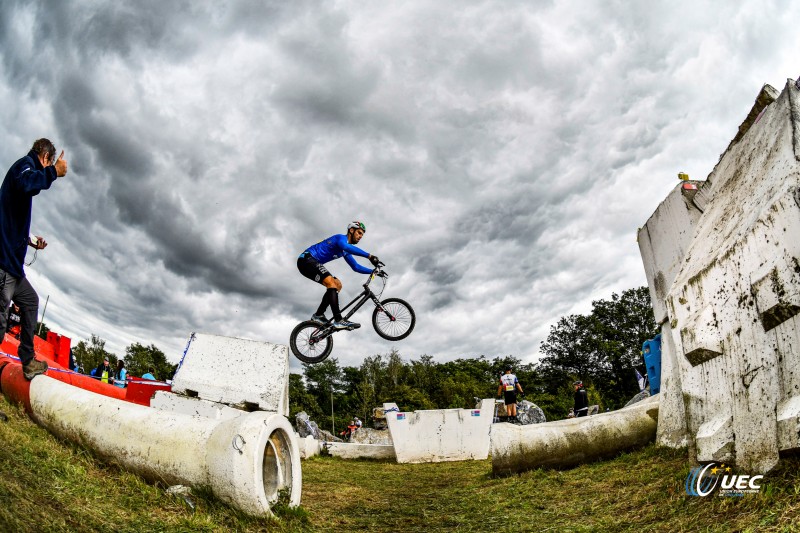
{"x": 703, "y": 480}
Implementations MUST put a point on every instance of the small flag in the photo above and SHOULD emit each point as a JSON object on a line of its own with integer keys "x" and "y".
{"x": 401, "y": 416}
{"x": 640, "y": 380}
{"x": 476, "y": 412}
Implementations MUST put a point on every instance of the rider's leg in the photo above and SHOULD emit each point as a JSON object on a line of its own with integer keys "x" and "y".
{"x": 332, "y": 297}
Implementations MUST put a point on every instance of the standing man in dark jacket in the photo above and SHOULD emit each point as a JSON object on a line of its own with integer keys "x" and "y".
{"x": 24, "y": 180}
{"x": 581, "y": 400}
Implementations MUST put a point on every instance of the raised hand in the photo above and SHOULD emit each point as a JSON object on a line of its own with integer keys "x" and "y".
{"x": 61, "y": 165}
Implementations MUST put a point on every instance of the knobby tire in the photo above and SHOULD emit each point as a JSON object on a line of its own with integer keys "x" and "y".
{"x": 403, "y": 323}
{"x": 304, "y": 348}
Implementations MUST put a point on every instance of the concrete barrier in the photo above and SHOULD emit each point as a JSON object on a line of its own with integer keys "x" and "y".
{"x": 238, "y": 372}
{"x": 349, "y": 450}
{"x": 308, "y": 446}
{"x": 246, "y": 461}
{"x": 729, "y": 296}
{"x": 440, "y": 434}
{"x": 568, "y": 443}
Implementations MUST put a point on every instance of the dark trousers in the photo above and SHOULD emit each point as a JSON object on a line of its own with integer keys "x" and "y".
{"x": 21, "y": 291}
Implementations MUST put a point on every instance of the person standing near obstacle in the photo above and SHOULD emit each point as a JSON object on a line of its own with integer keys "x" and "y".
{"x": 25, "y": 179}
{"x": 509, "y": 384}
{"x": 581, "y": 400}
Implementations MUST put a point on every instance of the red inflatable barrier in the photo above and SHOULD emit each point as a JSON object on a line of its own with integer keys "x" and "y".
{"x": 56, "y": 352}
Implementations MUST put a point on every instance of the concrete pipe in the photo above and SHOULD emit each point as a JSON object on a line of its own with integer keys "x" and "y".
{"x": 247, "y": 462}
{"x": 569, "y": 443}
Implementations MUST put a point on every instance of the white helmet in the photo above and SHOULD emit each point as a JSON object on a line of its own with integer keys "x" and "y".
{"x": 356, "y": 225}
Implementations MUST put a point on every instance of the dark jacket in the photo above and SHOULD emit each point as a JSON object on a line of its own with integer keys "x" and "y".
{"x": 581, "y": 400}
{"x": 23, "y": 181}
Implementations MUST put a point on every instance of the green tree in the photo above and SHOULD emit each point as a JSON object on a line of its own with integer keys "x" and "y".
{"x": 602, "y": 348}
{"x": 139, "y": 359}
{"x": 324, "y": 382}
{"x": 42, "y": 330}
{"x": 301, "y": 400}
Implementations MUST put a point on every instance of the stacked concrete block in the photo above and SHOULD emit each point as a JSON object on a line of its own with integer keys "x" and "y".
{"x": 729, "y": 297}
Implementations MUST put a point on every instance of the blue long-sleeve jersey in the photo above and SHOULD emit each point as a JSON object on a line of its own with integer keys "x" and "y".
{"x": 23, "y": 181}
{"x": 335, "y": 247}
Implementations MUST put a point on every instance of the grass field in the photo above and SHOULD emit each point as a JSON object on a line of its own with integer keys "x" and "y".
{"x": 50, "y": 485}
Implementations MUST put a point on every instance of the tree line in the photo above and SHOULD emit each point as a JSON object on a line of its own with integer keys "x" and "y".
{"x": 601, "y": 348}
{"x": 89, "y": 354}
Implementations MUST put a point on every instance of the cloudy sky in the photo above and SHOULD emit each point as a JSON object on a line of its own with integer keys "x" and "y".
{"x": 502, "y": 155}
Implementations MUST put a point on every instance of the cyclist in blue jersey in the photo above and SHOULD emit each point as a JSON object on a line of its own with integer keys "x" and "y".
{"x": 311, "y": 264}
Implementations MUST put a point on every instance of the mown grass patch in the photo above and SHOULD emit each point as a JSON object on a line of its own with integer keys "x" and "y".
{"x": 49, "y": 485}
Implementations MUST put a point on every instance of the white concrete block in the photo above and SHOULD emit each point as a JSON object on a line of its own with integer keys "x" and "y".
{"x": 440, "y": 434}
{"x": 715, "y": 439}
{"x": 308, "y": 446}
{"x": 663, "y": 242}
{"x": 235, "y": 372}
{"x": 177, "y": 403}
{"x": 349, "y": 450}
{"x": 789, "y": 424}
{"x": 700, "y": 336}
{"x": 672, "y": 431}
{"x": 733, "y": 305}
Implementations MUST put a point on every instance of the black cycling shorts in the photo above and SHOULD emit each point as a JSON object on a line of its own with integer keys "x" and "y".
{"x": 311, "y": 268}
{"x": 510, "y": 396}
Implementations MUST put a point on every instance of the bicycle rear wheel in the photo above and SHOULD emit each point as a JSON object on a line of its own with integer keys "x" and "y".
{"x": 309, "y": 343}
{"x": 397, "y": 322}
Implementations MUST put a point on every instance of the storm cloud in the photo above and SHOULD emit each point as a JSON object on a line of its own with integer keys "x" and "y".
{"x": 502, "y": 155}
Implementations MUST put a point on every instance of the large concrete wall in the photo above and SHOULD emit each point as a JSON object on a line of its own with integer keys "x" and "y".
{"x": 731, "y": 338}
{"x": 440, "y": 434}
{"x": 238, "y": 372}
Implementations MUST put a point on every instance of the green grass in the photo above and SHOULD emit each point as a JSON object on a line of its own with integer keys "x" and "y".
{"x": 49, "y": 485}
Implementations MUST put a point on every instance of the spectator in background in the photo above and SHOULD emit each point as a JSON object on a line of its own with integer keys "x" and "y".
{"x": 150, "y": 374}
{"x": 103, "y": 371}
{"x": 26, "y": 178}
{"x": 581, "y": 400}
{"x": 358, "y": 422}
{"x": 121, "y": 375}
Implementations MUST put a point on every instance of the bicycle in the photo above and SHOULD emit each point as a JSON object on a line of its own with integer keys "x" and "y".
{"x": 393, "y": 319}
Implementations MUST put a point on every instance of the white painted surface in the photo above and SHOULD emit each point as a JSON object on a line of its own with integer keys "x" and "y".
{"x": 663, "y": 241}
{"x": 568, "y": 443}
{"x": 177, "y": 403}
{"x": 235, "y": 371}
{"x": 732, "y": 306}
{"x": 245, "y": 460}
{"x": 349, "y": 450}
{"x": 715, "y": 439}
{"x": 308, "y": 446}
{"x": 440, "y": 434}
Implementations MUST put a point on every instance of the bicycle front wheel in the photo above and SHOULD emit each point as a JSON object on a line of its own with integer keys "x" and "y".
{"x": 397, "y": 322}
{"x": 310, "y": 343}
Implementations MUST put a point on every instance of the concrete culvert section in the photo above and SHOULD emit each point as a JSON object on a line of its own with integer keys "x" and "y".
{"x": 247, "y": 462}
{"x": 569, "y": 443}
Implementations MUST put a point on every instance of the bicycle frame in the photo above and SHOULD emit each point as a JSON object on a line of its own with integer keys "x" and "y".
{"x": 362, "y": 298}
{"x": 357, "y": 303}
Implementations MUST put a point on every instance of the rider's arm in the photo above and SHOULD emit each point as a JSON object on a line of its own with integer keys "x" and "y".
{"x": 355, "y": 266}
{"x": 350, "y": 249}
